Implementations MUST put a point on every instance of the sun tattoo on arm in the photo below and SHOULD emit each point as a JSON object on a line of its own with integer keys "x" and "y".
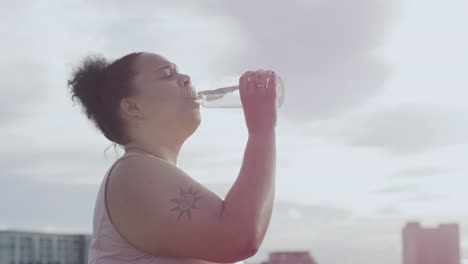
{"x": 185, "y": 202}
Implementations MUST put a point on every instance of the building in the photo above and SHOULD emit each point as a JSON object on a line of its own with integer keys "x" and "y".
{"x": 290, "y": 257}
{"x": 431, "y": 245}
{"x": 21, "y": 247}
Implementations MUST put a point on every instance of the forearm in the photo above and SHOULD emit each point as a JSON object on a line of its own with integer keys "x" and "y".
{"x": 249, "y": 202}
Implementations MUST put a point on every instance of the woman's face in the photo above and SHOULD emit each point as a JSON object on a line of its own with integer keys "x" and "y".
{"x": 164, "y": 94}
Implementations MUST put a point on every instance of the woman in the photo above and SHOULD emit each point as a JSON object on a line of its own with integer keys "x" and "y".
{"x": 150, "y": 211}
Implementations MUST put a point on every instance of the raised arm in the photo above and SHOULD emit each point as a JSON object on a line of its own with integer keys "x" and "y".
{"x": 250, "y": 200}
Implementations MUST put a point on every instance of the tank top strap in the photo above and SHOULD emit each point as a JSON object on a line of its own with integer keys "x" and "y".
{"x": 126, "y": 154}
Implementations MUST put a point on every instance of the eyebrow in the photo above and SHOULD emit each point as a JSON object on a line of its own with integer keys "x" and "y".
{"x": 168, "y": 66}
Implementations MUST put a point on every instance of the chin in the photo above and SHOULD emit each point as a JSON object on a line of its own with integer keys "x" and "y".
{"x": 197, "y": 120}
{"x": 194, "y": 121}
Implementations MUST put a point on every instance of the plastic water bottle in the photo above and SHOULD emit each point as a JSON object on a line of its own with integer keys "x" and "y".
{"x": 229, "y": 97}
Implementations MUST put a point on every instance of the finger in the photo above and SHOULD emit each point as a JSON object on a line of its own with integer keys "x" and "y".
{"x": 261, "y": 81}
{"x": 271, "y": 86}
{"x": 245, "y": 76}
{"x": 244, "y": 80}
{"x": 251, "y": 89}
{"x": 269, "y": 78}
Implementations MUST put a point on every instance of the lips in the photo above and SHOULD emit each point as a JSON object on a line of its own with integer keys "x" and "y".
{"x": 193, "y": 93}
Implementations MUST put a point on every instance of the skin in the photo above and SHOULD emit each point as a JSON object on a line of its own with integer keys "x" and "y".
{"x": 159, "y": 118}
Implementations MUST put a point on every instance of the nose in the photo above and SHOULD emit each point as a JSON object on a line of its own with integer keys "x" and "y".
{"x": 186, "y": 81}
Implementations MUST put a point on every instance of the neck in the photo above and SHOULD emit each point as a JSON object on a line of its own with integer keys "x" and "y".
{"x": 166, "y": 148}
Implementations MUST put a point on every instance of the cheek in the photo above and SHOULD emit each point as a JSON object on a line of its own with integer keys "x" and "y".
{"x": 156, "y": 95}
{"x": 165, "y": 91}
{"x": 150, "y": 100}
{"x": 161, "y": 99}
{"x": 162, "y": 103}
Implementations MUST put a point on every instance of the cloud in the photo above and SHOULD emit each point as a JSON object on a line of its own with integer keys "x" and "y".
{"x": 207, "y": 159}
{"x": 328, "y": 239}
{"x": 310, "y": 213}
{"x": 55, "y": 165}
{"x": 396, "y": 189}
{"x": 400, "y": 130}
{"x": 424, "y": 198}
{"x": 23, "y": 88}
{"x": 65, "y": 206}
{"x": 36, "y": 42}
{"x": 411, "y": 129}
{"x": 388, "y": 210}
{"x": 418, "y": 172}
{"x": 324, "y": 230}
{"x": 322, "y": 49}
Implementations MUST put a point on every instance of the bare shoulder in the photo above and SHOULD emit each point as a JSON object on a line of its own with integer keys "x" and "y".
{"x": 161, "y": 210}
{"x": 138, "y": 164}
{"x": 136, "y": 180}
{"x": 132, "y": 181}
{"x": 142, "y": 173}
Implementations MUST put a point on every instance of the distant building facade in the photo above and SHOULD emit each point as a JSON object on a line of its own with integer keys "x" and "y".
{"x": 290, "y": 257}
{"x": 22, "y": 247}
{"x": 439, "y": 245}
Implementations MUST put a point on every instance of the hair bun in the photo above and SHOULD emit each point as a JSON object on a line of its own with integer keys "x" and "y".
{"x": 100, "y": 86}
{"x": 87, "y": 82}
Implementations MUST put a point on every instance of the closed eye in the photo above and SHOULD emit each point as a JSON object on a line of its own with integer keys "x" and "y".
{"x": 167, "y": 74}
{"x": 168, "y": 70}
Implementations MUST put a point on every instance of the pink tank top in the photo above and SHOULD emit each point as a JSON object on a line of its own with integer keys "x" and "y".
{"x": 109, "y": 247}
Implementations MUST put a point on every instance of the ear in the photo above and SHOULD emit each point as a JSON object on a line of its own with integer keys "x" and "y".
{"x": 129, "y": 107}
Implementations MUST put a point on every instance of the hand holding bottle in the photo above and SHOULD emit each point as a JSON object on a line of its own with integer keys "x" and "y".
{"x": 258, "y": 94}
{"x": 229, "y": 97}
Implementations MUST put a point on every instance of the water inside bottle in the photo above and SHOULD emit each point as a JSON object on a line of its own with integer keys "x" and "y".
{"x": 227, "y": 97}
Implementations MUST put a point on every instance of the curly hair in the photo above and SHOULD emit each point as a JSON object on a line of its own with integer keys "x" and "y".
{"x": 100, "y": 86}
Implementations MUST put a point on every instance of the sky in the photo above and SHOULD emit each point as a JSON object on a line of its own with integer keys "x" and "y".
{"x": 372, "y": 133}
